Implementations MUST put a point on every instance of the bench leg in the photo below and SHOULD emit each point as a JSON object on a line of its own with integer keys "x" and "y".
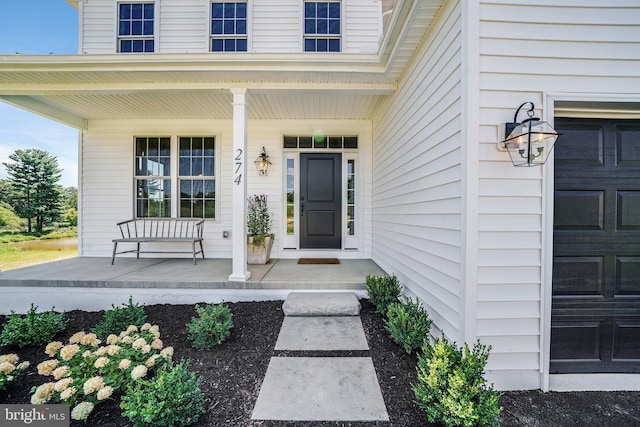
{"x": 193, "y": 248}
{"x": 138, "y": 251}
{"x": 113, "y": 257}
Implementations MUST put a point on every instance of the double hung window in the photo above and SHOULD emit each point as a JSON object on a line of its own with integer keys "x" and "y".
{"x": 163, "y": 191}
{"x": 322, "y": 26}
{"x": 197, "y": 178}
{"x": 135, "y": 27}
{"x": 229, "y": 26}
{"x": 153, "y": 177}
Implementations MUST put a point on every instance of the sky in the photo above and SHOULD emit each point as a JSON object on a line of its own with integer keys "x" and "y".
{"x": 38, "y": 27}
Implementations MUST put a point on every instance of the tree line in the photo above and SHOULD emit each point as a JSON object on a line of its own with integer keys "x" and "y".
{"x": 32, "y": 192}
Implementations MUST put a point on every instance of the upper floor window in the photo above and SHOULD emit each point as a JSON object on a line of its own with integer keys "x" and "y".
{"x": 229, "y": 26}
{"x": 135, "y": 27}
{"x": 322, "y": 26}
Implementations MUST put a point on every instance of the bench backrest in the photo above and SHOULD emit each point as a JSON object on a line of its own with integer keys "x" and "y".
{"x": 176, "y": 228}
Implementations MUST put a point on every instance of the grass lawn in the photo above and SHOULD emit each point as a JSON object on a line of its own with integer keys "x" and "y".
{"x": 16, "y": 255}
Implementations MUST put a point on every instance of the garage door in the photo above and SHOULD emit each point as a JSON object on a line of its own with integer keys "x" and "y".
{"x": 595, "y": 317}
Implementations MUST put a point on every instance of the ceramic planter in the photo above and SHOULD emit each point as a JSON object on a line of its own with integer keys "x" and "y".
{"x": 259, "y": 253}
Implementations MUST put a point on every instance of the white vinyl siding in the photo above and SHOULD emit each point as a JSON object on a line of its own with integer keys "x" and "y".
{"x": 361, "y": 26}
{"x": 581, "y": 48}
{"x": 276, "y": 26}
{"x": 418, "y": 178}
{"x": 183, "y": 26}
{"x": 99, "y": 24}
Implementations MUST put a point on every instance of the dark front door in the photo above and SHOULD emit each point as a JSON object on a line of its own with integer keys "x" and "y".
{"x": 320, "y": 197}
{"x": 595, "y": 318}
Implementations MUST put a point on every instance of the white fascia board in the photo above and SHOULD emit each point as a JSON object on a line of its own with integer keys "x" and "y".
{"x": 45, "y": 110}
{"x": 245, "y": 61}
{"x": 126, "y": 87}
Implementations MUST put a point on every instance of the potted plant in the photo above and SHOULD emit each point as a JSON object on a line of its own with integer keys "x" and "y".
{"x": 259, "y": 236}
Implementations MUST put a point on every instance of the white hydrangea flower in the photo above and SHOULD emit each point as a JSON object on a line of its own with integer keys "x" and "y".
{"x": 81, "y": 411}
{"x": 67, "y": 393}
{"x": 77, "y": 337}
{"x": 139, "y": 372}
{"x": 124, "y": 364}
{"x": 53, "y": 347}
{"x": 105, "y": 392}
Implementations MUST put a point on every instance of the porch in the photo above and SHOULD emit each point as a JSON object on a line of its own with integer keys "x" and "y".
{"x": 92, "y": 283}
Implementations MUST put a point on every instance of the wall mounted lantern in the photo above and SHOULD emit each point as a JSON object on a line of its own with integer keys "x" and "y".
{"x": 529, "y": 143}
{"x": 262, "y": 163}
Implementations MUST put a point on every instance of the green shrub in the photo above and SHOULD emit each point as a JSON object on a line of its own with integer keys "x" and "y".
{"x": 212, "y": 327}
{"x": 172, "y": 398}
{"x": 451, "y": 386}
{"x": 33, "y": 329}
{"x": 118, "y": 319}
{"x": 71, "y": 217}
{"x": 408, "y": 324}
{"x": 383, "y": 291}
{"x": 87, "y": 371}
{"x": 8, "y": 218}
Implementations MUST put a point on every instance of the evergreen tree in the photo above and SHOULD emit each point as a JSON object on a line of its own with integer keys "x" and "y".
{"x": 36, "y": 194}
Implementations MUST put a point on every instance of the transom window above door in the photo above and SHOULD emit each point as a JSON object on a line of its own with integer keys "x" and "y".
{"x": 229, "y": 26}
{"x": 320, "y": 142}
{"x": 136, "y": 27}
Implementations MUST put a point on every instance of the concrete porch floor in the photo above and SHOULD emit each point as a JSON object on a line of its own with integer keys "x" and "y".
{"x": 94, "y": 284}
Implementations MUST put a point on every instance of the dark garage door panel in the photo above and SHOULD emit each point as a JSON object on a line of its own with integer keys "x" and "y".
{"x": 596, "y": 272}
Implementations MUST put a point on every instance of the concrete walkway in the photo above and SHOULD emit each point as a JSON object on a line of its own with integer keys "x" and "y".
{"x": 321, "y": 388}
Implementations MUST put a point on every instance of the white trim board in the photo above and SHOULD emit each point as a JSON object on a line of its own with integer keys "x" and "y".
{"x": 552, "y": 382}
{"x": 594, "y": 382}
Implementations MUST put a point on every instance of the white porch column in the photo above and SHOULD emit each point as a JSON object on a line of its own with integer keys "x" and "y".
{"x": 239, "y": 272}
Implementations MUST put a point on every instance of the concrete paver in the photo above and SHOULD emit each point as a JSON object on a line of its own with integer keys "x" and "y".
{"x": 321, "y": 304}
{"x": 322, "y": 333}
{"x": 320, "y": 389}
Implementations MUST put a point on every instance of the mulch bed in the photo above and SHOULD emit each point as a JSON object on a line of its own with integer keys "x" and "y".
{"x": 233, "y": 372}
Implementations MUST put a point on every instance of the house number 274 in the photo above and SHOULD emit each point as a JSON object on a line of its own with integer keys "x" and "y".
{"x": 237, "y": 178}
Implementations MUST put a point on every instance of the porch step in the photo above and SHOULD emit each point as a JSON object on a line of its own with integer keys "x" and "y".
{"x": 321, "y": 304}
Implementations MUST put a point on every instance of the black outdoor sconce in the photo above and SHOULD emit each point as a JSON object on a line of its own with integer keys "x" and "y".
{"x": 529, "y": 143}
{"x": 262, "y": 163}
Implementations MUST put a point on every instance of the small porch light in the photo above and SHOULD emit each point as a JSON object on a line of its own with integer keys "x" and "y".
{"x": 529, "y": 143}
{"x": 262, "y": 163}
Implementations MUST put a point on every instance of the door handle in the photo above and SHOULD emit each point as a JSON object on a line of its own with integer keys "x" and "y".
{"x": 301, "y": 205}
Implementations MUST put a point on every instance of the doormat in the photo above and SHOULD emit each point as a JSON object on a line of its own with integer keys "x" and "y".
{"x": 318, "y": 261}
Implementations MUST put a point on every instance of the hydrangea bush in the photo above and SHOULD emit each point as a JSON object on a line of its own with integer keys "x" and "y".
{"x": 10, "y": 369}
{"x": 86, "y": 372}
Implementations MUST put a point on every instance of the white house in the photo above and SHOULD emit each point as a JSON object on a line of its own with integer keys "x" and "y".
{"x": 394, "y": 111}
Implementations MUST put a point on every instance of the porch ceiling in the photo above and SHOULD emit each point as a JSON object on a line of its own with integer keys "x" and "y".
{"x": 76, "y": 88}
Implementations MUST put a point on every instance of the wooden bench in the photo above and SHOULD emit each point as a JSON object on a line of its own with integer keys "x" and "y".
{"x": 160, "y": 230}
